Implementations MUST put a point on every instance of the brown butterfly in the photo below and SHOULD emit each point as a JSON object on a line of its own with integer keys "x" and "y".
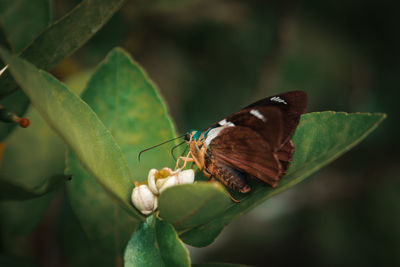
{"x": 254, "y": 142}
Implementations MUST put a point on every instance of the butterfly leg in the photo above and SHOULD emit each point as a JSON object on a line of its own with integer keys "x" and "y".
{"x": 185, "y": 161}
{"x": 233, "y": 199}
{"x": 207, "y": 174}
{"x": 211, "y": 178}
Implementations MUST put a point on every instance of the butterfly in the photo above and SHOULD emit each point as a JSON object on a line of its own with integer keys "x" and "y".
{"x": 254, "y": 142}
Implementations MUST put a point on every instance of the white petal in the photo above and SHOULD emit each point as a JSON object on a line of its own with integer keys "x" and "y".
{"x": 155, "y": 206}
{"x": 144, "y": 199}
{"x": 186, "y": 177}
{"x": 163, "y": 184}
{"x": 151, "y": 180}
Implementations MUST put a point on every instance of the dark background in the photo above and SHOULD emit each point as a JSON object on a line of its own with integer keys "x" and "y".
{"x": 210, "y": 58}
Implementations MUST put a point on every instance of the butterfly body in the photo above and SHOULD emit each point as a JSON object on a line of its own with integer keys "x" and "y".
{"x": 254, "y": 142}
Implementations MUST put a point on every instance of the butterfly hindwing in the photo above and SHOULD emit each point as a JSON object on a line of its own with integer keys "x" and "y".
{"x": 247, "y": 151}
{"x": 285, "y": 155}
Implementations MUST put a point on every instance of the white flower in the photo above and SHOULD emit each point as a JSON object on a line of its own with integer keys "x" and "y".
{"x": 144, "y": 199}
{"x": 145, "y": 196}
{"x": 160, "y": 180}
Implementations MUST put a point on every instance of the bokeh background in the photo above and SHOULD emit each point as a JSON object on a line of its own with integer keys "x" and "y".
{"x": 210, "y": 58}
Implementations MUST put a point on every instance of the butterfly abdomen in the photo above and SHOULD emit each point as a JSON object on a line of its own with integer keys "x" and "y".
{"x": 227, "y": 175}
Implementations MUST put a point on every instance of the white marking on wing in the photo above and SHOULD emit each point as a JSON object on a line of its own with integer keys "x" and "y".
{"x": 278, "y": 99}
{"x": 215, "y": 132}
{"x": 227, "y": 123}
{"x": 257, "y": 114}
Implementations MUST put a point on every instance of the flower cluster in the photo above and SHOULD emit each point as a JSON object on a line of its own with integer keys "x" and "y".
{"x": 145, "y": 196}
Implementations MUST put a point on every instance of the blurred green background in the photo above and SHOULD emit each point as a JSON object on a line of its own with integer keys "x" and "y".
{"x": 210, "y": 58}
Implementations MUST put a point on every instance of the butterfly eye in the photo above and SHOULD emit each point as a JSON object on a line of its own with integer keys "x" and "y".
{"x": 187, "y": 137}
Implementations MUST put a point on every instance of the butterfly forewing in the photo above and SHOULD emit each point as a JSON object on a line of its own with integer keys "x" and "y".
{"x": 292, "y": 104}
{"x": 267, "y": 121}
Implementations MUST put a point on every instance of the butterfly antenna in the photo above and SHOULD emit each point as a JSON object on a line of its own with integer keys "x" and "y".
{"x": 172, "y": 149}
{"x": 147, "y": 149}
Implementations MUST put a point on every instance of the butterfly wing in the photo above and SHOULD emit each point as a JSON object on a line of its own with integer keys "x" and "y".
{"x": 247, "y": 151}
{"x": 256, "y": 139}
{"x": 292, "y": 104}
{"x": 249, "y": 141}
{"x": 267, "y": 121}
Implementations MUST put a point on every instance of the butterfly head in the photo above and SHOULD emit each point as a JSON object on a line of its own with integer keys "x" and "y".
{"x": 192, "y": 135}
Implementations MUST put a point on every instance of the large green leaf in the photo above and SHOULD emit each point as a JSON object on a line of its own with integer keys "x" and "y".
{"x": 54, "y": 44}
{"x": 65, "y": 36}
{"x": 78, "y": 125}
{"x": 22, "y": 20}
{"x": 156, "y": 243}
{"x": 319, "y": 139}
{"x": 129, "y": 104}
{"x": 120, "y": 93}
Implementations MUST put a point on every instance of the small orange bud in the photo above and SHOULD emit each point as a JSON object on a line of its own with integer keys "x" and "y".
{"x": 24, "y": 122}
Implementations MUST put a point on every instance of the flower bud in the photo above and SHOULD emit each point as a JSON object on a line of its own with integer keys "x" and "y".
{"x": 144, "y": 199}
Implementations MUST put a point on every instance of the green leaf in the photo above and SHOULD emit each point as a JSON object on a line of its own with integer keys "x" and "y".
{"x": 78, "y": 125}
{"x": 320, "y": 138}
{"x": 10, "y": 191}
{"x": 120, "y": 93}
{"x": 203, "y": 202}
{"x": 55, "y": 43}
{"x": 65, "y": 36}
{"x": 156, "y": 243}
{"x": 128, "y": 102}
{"x": 22, "y": 20}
